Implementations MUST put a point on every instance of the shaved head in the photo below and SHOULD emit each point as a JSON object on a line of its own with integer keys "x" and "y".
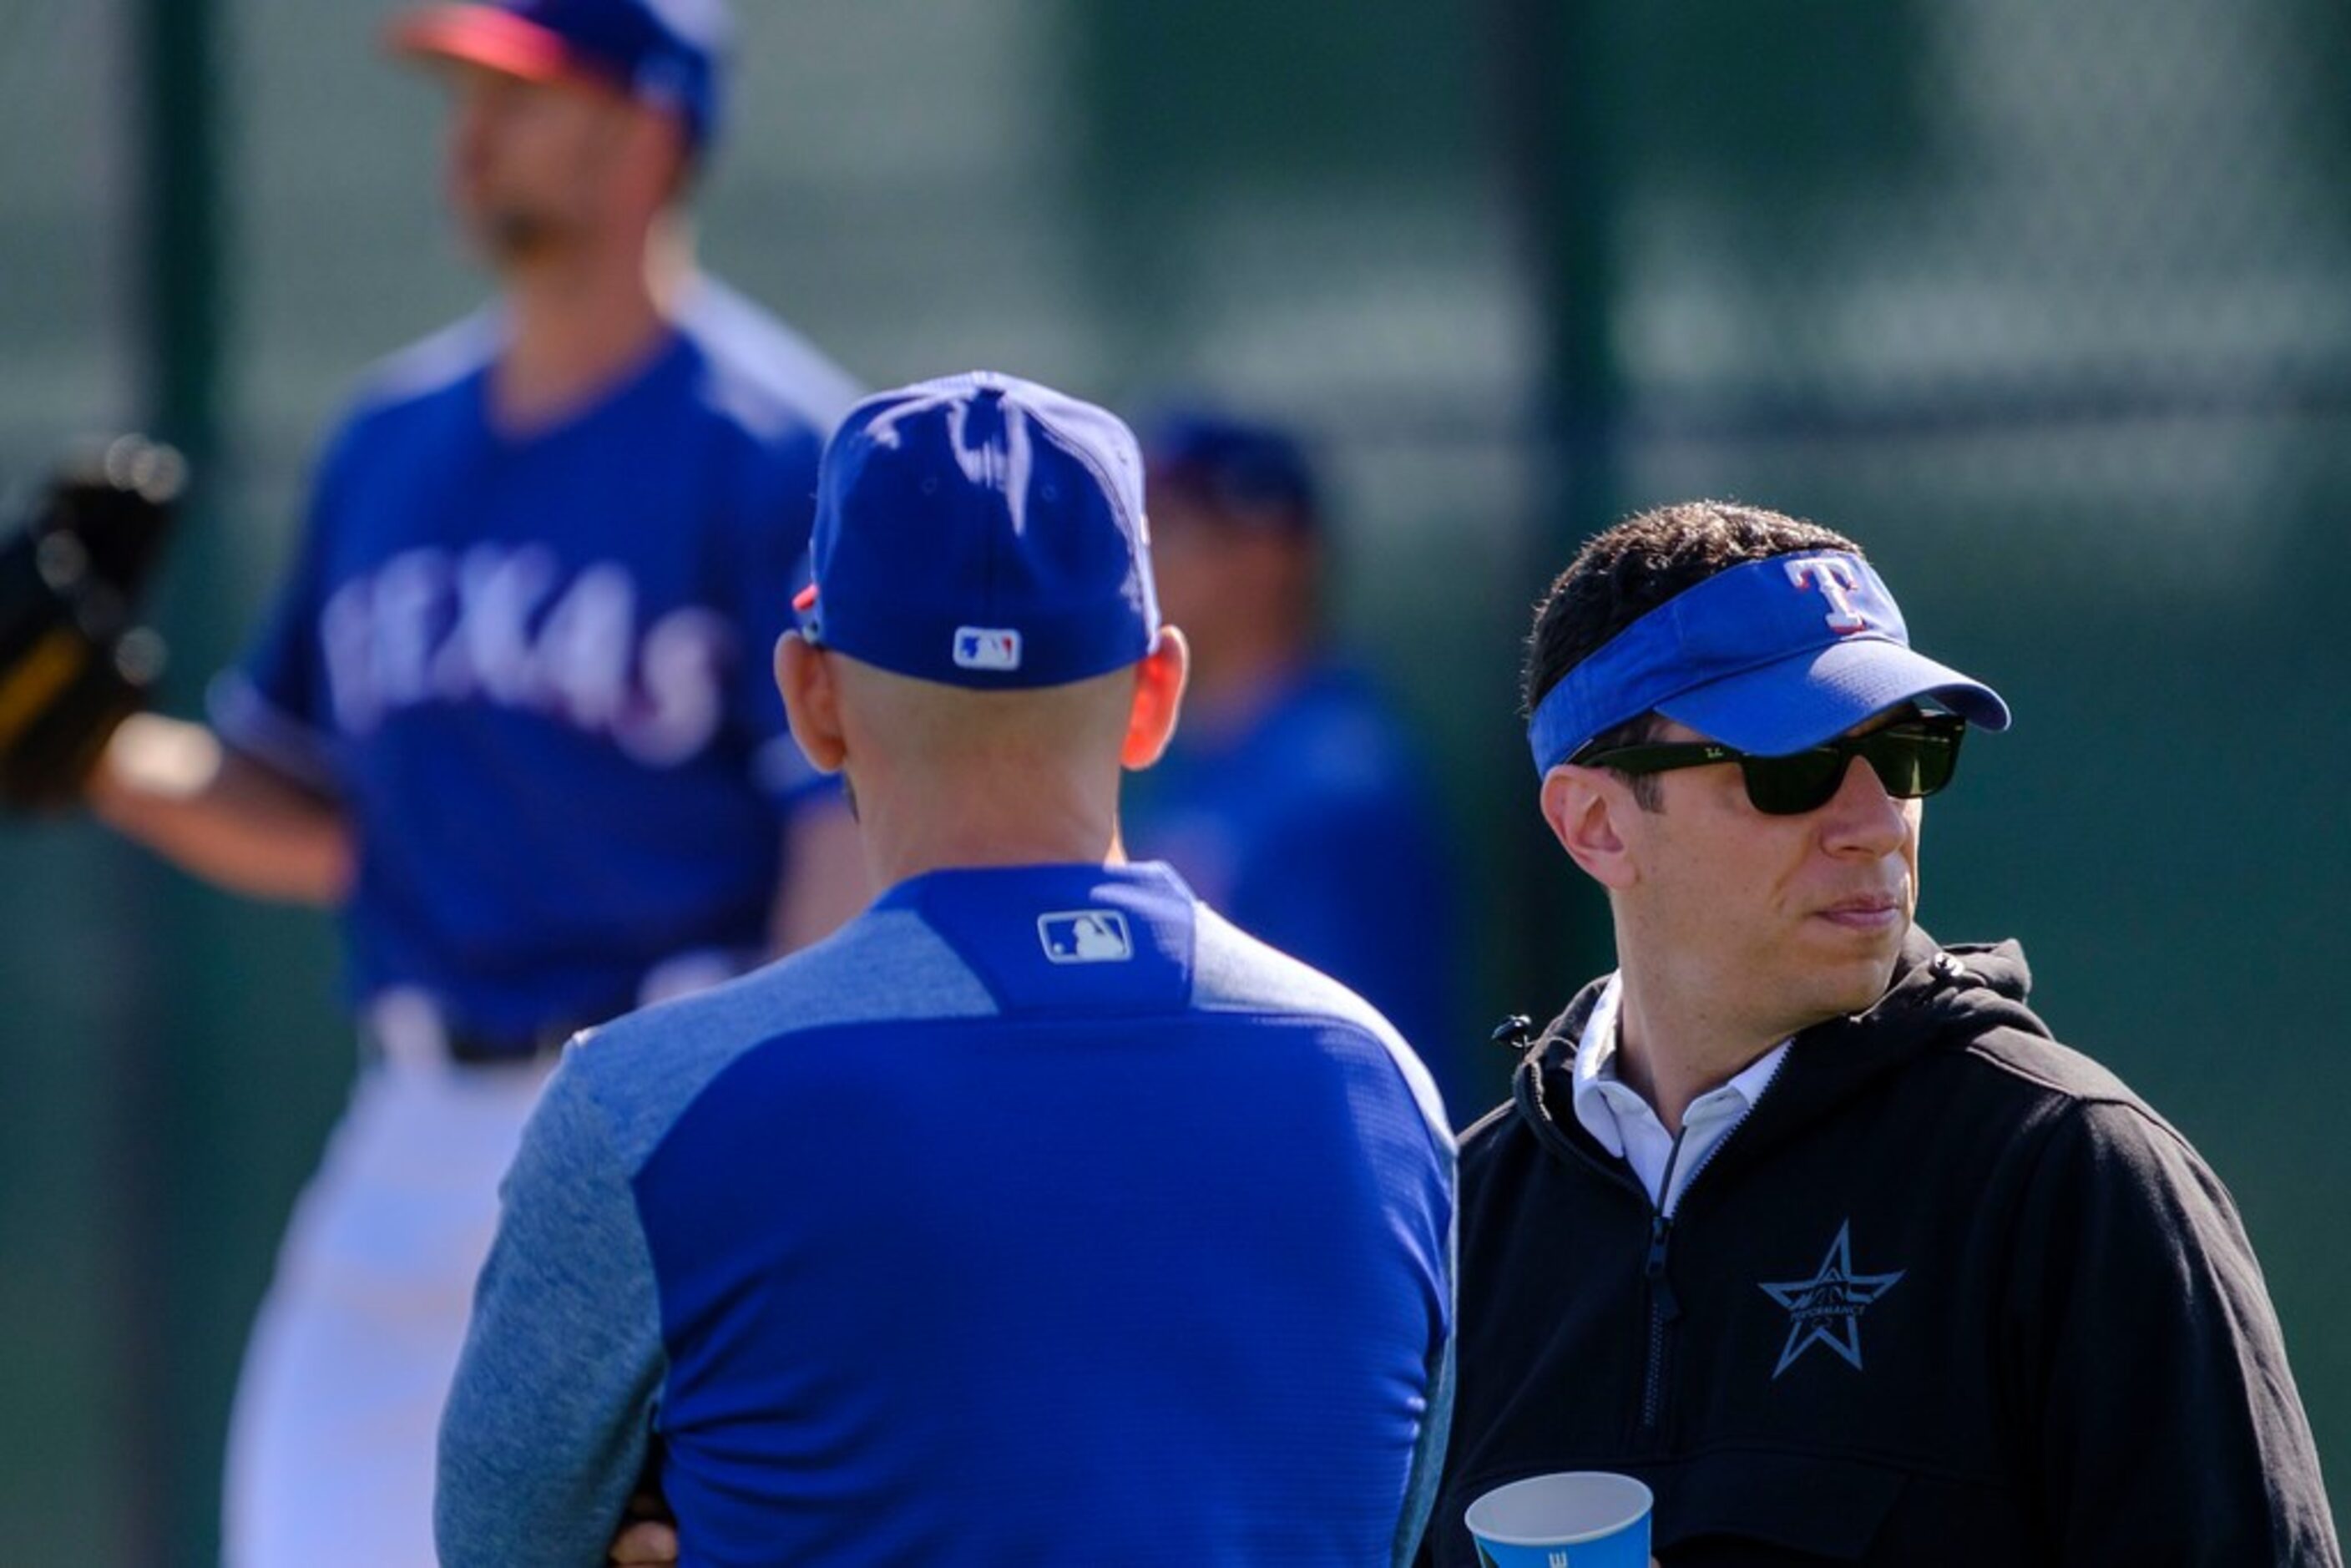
{"x": 941, "y": 775}
{"x": 922, "y": 725}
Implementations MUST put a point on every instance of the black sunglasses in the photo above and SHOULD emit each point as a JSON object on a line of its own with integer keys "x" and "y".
{"x": 1912, "y": 758}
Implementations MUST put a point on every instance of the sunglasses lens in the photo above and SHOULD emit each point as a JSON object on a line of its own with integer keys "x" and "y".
{"x": 1900, "y": 767}
{"x": 1911, "y": 760}
{"x": 1792, "y": 786}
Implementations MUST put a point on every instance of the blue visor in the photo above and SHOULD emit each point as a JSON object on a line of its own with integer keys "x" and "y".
{"x": 1769, "y": 657}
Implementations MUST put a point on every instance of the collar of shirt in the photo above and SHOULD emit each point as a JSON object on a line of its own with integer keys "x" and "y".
{"x": 1627, "y": 1126}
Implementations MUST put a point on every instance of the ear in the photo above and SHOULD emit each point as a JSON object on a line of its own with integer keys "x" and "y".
{"x": 804, "y": 674}
{"x": 1586, "y": 810}
{"x": 1158, "y": 696}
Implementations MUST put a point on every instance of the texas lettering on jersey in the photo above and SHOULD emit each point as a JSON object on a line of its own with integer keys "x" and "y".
{"x": 499, "y": 624}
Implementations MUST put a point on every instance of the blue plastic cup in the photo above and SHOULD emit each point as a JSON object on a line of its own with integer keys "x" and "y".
{"x": 1573, "y": 1518}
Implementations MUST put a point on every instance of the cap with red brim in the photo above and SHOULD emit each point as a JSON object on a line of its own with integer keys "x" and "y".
{"x": 485, "y": 36}
{"x": 663, "y": 55}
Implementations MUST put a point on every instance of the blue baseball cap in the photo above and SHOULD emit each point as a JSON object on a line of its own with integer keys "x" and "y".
{"x": 981, "y": 531}
{"x": 1244, "y": 470}
{"x": 662, "y": 53}
{"x": 1767, "y": 657}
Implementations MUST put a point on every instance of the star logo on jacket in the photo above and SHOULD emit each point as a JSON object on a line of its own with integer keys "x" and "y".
{"x": 1826, "y": 1309}
{"x": 1085, "y": 937}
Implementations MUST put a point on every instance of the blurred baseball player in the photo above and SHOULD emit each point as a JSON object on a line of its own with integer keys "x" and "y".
{"x": 1293, "y": 798}
{"x": 1040, "y": 1215}
{"x": 512, "y": 714}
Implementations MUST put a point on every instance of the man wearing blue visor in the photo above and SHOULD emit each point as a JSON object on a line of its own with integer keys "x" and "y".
{"x": 1799, "y": 1216}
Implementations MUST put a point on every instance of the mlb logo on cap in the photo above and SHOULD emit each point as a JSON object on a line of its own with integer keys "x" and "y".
{"x": 986, "y": 648}
{"x": 981, "y": 531}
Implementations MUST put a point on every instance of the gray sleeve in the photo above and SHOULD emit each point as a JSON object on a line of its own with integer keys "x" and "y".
{"x": 1427, "y": 1462}
{"x": 1428, "y": 1454}
{"x": 548, "y": 1421}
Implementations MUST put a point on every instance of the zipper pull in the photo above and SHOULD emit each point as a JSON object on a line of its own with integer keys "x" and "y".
{"x": 1949, "y": 970}
{"x": 1514, "y": 1033}
{"x": 1661, "y": 1289}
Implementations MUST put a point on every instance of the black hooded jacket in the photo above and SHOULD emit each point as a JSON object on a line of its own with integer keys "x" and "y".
{"x": 1951, "y": 1294}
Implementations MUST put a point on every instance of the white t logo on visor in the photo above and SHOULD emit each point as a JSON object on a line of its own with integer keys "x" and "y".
{"x": 1837, "y": 583}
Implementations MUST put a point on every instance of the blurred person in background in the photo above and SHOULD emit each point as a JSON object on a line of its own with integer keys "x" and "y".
{"x": 512, "y": 716}
{"x": 1800, "y": 1215}
{"x": 1291, "y": 799}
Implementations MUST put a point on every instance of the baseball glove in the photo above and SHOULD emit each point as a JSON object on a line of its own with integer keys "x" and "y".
{"x": 74, "y": 662}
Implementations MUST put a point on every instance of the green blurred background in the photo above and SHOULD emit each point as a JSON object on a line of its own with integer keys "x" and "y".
{"x": 2049, "y": 301}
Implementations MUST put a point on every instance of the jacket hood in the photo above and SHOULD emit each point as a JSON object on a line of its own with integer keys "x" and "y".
{"x": 1940, "y": 998}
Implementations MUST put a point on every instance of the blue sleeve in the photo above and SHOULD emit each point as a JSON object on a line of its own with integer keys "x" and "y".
{"x": 550, "y": 1417}
{"x": 275, "y": 704}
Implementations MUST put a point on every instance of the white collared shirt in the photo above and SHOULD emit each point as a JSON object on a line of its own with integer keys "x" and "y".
{"x": 1627, "y": 1125}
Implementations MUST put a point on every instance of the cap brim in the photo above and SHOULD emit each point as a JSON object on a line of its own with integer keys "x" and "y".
{"x": 1817, "y": 696}
{"x": 482, "y": 36}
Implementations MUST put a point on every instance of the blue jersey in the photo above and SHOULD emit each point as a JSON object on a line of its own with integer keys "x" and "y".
{"x": 536, "y": 670}
{"x": 1310, "y": 826}
{"x": 1037, "y": 1216}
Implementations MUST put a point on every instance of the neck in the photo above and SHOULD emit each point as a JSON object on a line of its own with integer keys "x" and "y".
{"x": 580, "y": 322}
{"x": 914, "y": 827}
{"x": 1673, "y": 1046}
